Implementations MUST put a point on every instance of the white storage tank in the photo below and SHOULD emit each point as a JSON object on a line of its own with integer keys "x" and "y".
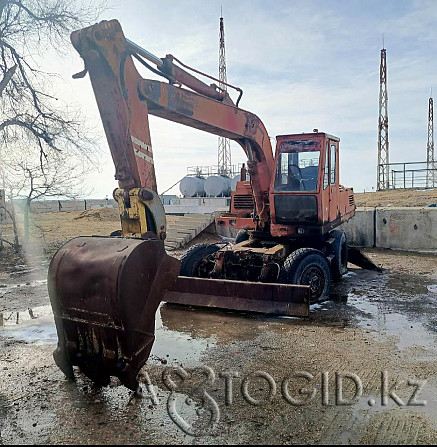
{"x": 192, "y": 186}
{"x": 236, "y": 179}
{"x": 218, "y": 186}
{"x": 234, "y": 182}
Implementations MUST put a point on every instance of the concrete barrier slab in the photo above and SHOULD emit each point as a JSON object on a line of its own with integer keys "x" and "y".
{"x": 406, "y": 228}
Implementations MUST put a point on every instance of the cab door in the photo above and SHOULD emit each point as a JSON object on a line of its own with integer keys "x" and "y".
{"x": 333, "y": 181}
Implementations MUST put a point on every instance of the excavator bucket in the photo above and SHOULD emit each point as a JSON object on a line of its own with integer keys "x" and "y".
{"x": 268, "y": 298}
{"x": 104, "y": 294}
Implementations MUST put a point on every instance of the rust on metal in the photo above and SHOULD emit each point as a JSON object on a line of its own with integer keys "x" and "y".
{"x": 276, "y": 299}
{"x": 104, "y": 294}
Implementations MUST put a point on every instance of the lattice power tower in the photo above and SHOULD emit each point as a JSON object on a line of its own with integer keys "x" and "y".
{"x": 431, "y": 165}
{"x": 383, "y": 180}
{"x": 224, "y": 146}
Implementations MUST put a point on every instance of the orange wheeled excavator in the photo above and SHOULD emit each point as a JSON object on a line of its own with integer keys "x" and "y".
{"x": 105, "y": 290}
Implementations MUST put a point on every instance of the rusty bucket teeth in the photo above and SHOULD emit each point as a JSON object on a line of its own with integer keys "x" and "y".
{"x": 104, "y": 294}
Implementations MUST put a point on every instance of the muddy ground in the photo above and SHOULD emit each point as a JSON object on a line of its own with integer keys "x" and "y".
{"x": 376, "y": 339}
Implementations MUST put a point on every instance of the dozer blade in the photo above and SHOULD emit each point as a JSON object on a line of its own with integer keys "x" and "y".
{"x": 268, "y": 298}
{"x": 104, "y": 294}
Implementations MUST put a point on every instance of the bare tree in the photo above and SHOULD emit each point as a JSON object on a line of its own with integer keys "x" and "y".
{"x": 29, "y": 28}
{"x": 30, "y": 116}
{"x": 5, "y": 214}
{"x": 29, "y": 180}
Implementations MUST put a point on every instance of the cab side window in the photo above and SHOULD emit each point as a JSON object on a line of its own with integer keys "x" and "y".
{"x": 326, "y": 174}
{"x": 333, "y": 173}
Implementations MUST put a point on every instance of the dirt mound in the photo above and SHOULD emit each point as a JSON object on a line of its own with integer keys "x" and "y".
{"x": 400, "y": 197}
{"x": 108, "y": 214}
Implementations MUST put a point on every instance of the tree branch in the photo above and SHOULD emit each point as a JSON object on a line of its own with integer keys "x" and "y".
{"x": 6, "y": 78}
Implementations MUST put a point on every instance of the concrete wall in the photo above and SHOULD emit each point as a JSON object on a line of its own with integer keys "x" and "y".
{"x": 360, "y": 230}
{"x": 197, "y": 205}
{"x": 54, "y": 206}
{"x": 406, "y": 228}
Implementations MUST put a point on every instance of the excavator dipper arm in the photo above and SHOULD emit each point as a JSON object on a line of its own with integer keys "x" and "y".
{"x": 125, "y": 100}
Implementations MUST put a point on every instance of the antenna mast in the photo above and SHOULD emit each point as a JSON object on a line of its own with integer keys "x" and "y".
{"x": 383, "y": 181}
{"x": 430, "y": 160}
{"x": 224, "y": 146}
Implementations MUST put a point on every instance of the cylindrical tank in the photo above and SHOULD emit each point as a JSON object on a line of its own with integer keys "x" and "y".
{"x": 234, "y": 182}
{"x": 236, "y": 179}
{"x": 192, "y": 186}
{"x": 217, "y": 185}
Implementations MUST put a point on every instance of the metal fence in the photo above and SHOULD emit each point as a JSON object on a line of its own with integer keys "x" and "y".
{"x": 412, "y": 175}
{"x": 206, "y": 171}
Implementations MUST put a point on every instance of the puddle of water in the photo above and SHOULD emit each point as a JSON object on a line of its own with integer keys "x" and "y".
{"x": 36, "y": 335}
{"x": 178, "y": 346}
{"x": 432, "y": 288}
{"x": 374, "y": 315}
{"x": 36, "y": 326}
{"x": 33, "y": 316}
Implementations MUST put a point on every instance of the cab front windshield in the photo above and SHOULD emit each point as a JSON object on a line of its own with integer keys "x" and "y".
{"x": 297, "y": 170}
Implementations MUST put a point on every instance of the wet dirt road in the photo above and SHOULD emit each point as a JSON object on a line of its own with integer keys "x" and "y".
{"x": 361, "y": 369}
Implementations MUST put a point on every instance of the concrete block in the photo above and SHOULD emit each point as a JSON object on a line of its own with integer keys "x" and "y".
{"x": 172, "y": 245}
{"x": 180, "y": 227}
{"x": 406, "y": 228}
{"x": 190, "y": 233}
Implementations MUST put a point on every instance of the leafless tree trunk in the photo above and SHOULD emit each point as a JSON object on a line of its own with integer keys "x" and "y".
{"x": 28, "y": 111}
{"x": 30, "y": 116}
{"x": 31, "y": 180}
{"x": 11, "y": 214}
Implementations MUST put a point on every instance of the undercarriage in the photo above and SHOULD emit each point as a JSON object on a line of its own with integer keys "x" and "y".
{"x": 314, "y": 262}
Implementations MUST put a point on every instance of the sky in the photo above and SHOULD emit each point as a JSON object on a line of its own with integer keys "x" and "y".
{"x": 302, "y": 64}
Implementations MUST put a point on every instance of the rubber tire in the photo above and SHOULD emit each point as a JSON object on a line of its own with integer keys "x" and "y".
{"x": 298, "y": 264}
{"x": 191, "y": 259}
{"x": 340, "y": 253}
{"x": 241, "y": 236}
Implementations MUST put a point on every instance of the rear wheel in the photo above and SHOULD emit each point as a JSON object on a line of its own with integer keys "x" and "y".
{"x": 340, "y": 253}
{"x": 309, "y": 267}
{"x": 198, "y": 261}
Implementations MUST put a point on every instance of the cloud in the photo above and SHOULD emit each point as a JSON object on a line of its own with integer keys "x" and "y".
{"x": 301, "y": 64}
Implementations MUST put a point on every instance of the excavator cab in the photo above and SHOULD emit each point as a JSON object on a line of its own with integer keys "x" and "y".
{"x": 305, "y": 191}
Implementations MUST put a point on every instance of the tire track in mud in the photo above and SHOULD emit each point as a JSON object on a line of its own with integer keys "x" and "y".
{"x": 396, "y": 427}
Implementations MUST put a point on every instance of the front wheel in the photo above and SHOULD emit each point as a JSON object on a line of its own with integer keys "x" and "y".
{"x": 198, "y": 261}
{"x": 307, "y": 267}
